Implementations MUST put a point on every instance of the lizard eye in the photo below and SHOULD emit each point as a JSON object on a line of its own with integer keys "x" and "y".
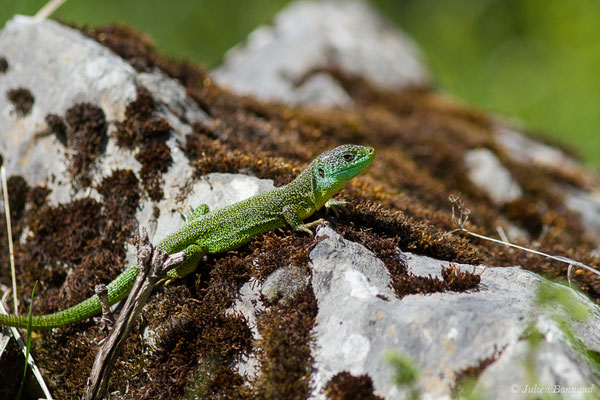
{"x": 348, "y": 156}
{"x": 322, "y": 172}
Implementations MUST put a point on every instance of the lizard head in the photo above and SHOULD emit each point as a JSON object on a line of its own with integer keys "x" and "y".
{"x": 334, "y": 168}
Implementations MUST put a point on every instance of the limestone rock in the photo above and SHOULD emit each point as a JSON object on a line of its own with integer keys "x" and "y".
{"x": 487, "y": 172}
{"x": 360, "y": 319}
{"x": 309, "y": 35}
{"x": 76, "y": 70}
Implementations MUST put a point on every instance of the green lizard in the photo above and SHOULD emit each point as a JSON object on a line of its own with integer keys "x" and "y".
{"x": 229, "y": 227}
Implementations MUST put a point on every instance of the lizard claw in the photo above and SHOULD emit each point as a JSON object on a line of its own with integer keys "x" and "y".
{"x": 183, "y": 215}
{"x": 337, "y": 206}
{"x": 165, "y": 281}
{"x": 307, "y": 227}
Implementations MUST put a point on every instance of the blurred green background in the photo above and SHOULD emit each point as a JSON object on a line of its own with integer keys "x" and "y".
{"x": 536, "y": 60}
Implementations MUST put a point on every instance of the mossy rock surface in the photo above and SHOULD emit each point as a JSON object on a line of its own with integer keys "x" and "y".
{"x": 118, "y": 136}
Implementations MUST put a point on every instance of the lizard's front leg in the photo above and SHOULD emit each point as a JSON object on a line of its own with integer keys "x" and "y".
{"x": 193, "y": 255}
{"x": 199, "y": 211}
{"x": 290, "y": 214}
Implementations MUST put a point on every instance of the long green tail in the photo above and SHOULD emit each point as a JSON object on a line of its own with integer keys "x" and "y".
{"x": 117, "y": 290}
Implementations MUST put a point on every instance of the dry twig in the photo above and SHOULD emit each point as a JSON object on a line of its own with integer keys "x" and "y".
{"x": 106, "y": 320}
{"x": 154, "y": 265}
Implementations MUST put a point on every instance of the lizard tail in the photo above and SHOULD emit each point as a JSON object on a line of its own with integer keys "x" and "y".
{"x": 117, "y": 290}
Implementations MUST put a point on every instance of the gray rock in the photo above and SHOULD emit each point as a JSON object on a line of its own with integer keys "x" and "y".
{"x": 282, "y": 285}
{"x": 308, "y": 35}
{"x": 529, "y": 150}
{"x": 360, "y": 319}
{"x": 76, "y": 69}
{"x": 487, "y": 172}
{"x": 587, "y": 205}
{"x": 322, "y": 90}
{"x": 249, "y": 305}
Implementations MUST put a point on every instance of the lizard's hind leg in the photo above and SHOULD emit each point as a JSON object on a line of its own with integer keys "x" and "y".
{"x": 194, "y": 254}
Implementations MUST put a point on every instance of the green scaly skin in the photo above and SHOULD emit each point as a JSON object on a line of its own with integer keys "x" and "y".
{"x": 232, "y": 226}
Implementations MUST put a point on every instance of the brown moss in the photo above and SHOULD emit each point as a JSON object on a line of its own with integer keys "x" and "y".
{"x": 86, "y": 139}
{"x": 140, "y": 126}
{"x": 57, "y": 126}
{"x": 453, "y": 280}
{"x": 155, "y": 158}
{"x": 201, "y": 336}
{"x": 25, "y": 203}
{"x": 345, "y": 386}
{"x": 88, "y": 238}
{"x": 37, "y": 197}
{"x": 22, "y": 100}
{"x": 213, "y": 381}
{"x": 141, "y": 129}
{"x": 408, "y": 234}
{"x": 3, "y": 65}
{"x": 136, "y": 48}
{"x": 69, "y": 235}
{"x": 277, "y": 249}
{"x": 121, "y": 194}
{"x": 286, "y": 361}
{"x": 18, "y": 190}
{"x": 208, "y": 155}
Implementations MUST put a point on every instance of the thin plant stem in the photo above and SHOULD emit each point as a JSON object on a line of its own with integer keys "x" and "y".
{"x": 462, "y": 218}
{"x": 11, "y": 251}
{"x": 34, "y": 368}
{"x": 27, "y": 343}
{"x": 48, "y": 9}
